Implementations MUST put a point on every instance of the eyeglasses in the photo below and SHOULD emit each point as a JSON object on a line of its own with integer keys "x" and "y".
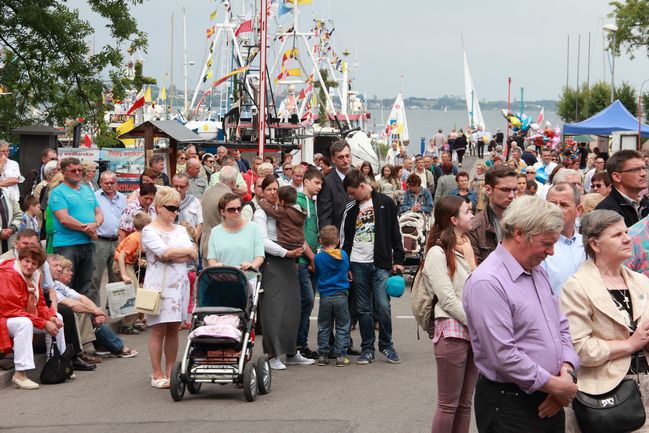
{"x": 597, "y": 185}
{"x": 172, "y": 209}
{"x": 182, "y": 158}
{"x": 73, "y": 170}
{"x": 180, "y": 186}
{"x": 210, "y": 161}
{"x": 632, "y": 170}
{"x": 233, "y": 209}
{"x": 111, "y": 182}
{"x": 288, "y": 168}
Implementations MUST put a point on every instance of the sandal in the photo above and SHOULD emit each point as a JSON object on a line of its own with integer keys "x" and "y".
{"x": 162, "y": 383}
{"x": 126, "y": 353}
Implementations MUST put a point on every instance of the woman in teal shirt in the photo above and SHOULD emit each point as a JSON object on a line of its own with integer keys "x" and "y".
{"x": 235, "y": 242}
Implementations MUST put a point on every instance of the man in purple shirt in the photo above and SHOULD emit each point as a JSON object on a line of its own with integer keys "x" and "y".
{"x": 520, "y": 340}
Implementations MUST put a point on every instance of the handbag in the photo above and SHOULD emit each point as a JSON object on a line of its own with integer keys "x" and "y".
{"x": 59, "y": 366}
{"x": 617, "y": 411}
{"x": 148, "y": 301}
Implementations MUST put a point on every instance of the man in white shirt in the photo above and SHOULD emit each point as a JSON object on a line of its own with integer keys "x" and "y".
{"x": 569, "y": 251}
{"x": 600, "y": 165}
{"x": 10, "y": 175}
{"x": 392, "y": 153}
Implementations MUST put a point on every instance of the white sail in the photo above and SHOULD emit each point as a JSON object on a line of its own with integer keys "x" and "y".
{"x": 472, "y": 104}
{"x": 397, "y": 126}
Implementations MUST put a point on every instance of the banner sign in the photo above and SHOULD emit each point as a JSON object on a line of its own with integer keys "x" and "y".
{"x": 128, "y": 164}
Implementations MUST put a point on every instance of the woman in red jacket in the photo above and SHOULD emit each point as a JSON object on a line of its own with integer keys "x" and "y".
{"x": 23, "y": 311}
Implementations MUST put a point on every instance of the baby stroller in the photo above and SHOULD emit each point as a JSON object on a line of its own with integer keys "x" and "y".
{"x": 414, "y": 228}
{"x": 219, "y": 346}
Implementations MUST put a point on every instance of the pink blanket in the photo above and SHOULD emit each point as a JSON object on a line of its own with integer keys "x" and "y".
{"x": 226, "y": 326}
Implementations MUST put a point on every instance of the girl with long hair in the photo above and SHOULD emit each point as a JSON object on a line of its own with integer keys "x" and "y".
{"x": 449, "y": 261}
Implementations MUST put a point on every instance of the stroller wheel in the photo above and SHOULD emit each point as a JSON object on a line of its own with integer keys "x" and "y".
{"x": 263, "y": 375}
{"x": 250, "y": 382}
{"x": 194, "y": 387}
{"x": 176, "y": 385}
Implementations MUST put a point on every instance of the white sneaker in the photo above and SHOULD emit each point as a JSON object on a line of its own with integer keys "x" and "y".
{"x": 298, "y": 359}
{"x": 276, "y": 363}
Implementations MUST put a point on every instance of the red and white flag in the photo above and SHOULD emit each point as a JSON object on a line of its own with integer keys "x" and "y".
{"x": 139, "y": 102}
{"x": 245, "y": 26}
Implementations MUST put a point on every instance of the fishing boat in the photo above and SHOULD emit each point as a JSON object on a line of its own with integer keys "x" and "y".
{"x": 472, "y": 102}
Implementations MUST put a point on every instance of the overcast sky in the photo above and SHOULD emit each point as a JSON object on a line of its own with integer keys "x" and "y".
{"x": 421, "y": 39}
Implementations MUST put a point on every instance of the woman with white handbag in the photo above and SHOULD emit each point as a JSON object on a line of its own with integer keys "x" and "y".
{"x": 168, "y": 248}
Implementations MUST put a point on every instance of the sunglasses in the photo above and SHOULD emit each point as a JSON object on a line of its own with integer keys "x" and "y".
{"x": 210, "y": 161}
{"x": 74, "y": 170}
{"x": 172, "y": 209}
{"x": 233, "y": 209}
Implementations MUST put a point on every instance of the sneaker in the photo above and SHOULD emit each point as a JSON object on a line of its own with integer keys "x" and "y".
{"x": 128, "y": 330}
{"x": 323, "y": 359}
{"x": 342, "y": 361}
{"x": 308, "y": 353}
{"x": 392, "y": 355}
{"x": 365, "y": 358}
{"x": 354, "y": 351}
{"x": 298, "y": 359}
{"x": 276, "y": 363}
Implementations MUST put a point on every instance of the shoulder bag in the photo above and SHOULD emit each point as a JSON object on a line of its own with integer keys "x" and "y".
{"x": 148, "y": 301}
{"x": 617, "y": 411}
{"x": 59, "y": 366}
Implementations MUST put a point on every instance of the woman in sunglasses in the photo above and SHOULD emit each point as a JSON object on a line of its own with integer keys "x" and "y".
{"x": 236, "y": 241}
{"x": 168, "y": 248}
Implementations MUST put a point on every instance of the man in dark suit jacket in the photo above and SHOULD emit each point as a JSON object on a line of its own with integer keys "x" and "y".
{"x": 333, "y": 198}
{"x": 628, "y": 175}
{"x": 332, "y": 201}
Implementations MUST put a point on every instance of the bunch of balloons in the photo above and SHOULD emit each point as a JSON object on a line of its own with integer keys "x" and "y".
{"x": 547, "y": 136}
{"x": 518, "y": 121}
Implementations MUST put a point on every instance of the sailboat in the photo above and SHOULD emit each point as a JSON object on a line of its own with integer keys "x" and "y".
{"x": 396, "y": 128}
{"x": 472, "y": 102}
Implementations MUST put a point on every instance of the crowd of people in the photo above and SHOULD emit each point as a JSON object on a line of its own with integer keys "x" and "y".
{"x": 536, "y": 261}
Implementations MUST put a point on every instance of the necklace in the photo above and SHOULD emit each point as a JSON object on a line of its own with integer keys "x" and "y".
{"x": 623, "y": 296}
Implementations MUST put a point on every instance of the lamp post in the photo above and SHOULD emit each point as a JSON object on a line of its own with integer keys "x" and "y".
{"x": 640, "y": 115}
{"x": 612, "y": 28}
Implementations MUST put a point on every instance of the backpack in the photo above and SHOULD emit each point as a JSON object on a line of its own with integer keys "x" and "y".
{"x": 423, "y": 306}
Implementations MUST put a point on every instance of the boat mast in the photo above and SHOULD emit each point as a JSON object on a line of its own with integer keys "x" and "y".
{"x": 185, "y": 113}
{"x": 263, "y": 40}
{"x": 171, "y": 70}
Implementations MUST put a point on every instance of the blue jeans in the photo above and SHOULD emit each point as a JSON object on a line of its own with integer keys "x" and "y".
{"x": 307, "y": 284}
{"x": 82, "y": 257}
{"x": 108, "y": 339}
{"x": 372, "y": 301}
{"x": 334, "y": 308}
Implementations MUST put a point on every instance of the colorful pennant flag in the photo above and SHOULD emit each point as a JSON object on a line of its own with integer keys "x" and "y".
{"x": 230, "y": 74}
{"x": 210, "y": 32}
{"x": 213, "y": 15}
{"x": 163, "y": 94}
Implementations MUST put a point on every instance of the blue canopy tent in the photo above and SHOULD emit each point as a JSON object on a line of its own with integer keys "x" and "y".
{"x": 613, "y": 118}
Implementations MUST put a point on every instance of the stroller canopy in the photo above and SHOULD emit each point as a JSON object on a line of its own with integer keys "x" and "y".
{"x": 222, "y": 286}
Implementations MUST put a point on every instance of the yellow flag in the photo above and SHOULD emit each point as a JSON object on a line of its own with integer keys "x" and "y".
{"x": 300, "y": 2}
{"x": 210, "y": 74}
{"x": 294, "y": 72}
{"x": 124, "y": 128}
{"x": 213, "y": 15}
{"x": 163, "y": 94}
{"x": 147, "y": 94}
